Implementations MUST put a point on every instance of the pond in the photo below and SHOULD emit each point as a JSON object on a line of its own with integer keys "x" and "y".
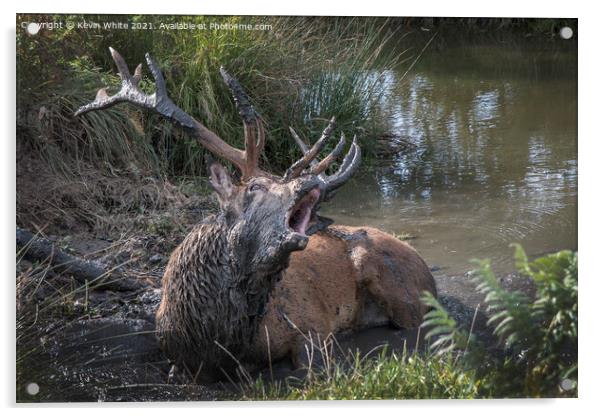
{"x": 489, "y": 128}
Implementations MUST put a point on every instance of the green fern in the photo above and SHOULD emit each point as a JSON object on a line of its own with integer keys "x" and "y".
{"x": 444, "y": 330}
{"x": 509, "y": 310}
{"x": 539, "y": 335}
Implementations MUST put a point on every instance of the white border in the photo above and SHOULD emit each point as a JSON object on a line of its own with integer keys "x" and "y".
{"x": 589, "y": 223}
{"x": 506, "y": 8}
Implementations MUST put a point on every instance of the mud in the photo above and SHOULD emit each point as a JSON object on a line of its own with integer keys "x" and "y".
{"x": 104, "y": 348}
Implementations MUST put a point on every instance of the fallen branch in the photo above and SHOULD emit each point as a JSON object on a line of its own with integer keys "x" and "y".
{"x": 83, "y": 271}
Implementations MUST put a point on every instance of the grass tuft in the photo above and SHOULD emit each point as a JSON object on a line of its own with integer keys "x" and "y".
{"x": 385, "y": 376}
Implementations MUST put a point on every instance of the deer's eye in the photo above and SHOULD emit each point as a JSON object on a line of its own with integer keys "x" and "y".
{"x": 257, "y": 187}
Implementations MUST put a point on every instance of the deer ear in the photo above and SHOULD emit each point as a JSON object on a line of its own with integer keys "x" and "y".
{"x": 221, "y": 182}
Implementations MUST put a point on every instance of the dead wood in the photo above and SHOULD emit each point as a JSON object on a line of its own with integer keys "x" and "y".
{"x": 83, "y": 271}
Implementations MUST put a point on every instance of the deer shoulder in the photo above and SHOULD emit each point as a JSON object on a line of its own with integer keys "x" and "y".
{"x": 348, "y": 278}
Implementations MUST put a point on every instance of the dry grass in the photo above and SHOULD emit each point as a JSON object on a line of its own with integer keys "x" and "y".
{"x": 107, "y": 205}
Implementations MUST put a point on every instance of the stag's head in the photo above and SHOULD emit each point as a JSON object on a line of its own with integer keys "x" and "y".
{"x": 267, "y": 216}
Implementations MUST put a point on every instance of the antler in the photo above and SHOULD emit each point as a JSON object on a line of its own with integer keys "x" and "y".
{"x": 250, "y": 119}
{"x": 246, "y": 161}
{"x": 309, "y": 155}
{"x": 348, "y": 167}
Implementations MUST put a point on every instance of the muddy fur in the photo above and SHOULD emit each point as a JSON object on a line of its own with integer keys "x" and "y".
{"x": 209, "y": 302}
{"x": 347, "y": 279}
{"x": 218, "y": 281}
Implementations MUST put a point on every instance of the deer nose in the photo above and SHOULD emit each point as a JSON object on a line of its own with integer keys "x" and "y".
{"x": 307, "y": 184}
{"x": 295, "y": 241}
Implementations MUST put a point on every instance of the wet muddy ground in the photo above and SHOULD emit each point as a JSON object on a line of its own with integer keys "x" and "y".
{"x": 101, "y": 344}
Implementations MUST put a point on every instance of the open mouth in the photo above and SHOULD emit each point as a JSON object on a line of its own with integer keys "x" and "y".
{"x": 300, "y": 213}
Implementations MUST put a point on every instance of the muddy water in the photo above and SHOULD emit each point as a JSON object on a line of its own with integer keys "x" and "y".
{"x": 489, "y": 129}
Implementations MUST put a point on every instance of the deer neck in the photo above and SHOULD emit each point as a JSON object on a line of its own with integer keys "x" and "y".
{"x": 227, "y": 296}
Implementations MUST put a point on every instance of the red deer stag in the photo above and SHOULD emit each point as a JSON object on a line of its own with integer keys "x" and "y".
{"x": 251, "y": 273}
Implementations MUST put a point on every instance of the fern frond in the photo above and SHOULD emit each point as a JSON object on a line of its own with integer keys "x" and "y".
{"x": 510, "y": 311}
{"x": 443, "y": 328}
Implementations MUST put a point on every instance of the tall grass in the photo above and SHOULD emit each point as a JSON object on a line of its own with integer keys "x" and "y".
{"x": 301, "y": 73}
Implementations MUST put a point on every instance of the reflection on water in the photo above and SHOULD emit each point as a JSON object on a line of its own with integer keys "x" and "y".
{"x": 495, "y": 162}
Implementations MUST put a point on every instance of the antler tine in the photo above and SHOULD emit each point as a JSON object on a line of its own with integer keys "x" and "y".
{"x": 253, "y": 144}
{"x": 350, "y": 164}
{"x": 302, "y": 145}
{"x": 160, "y": 103}
{"x": 128, "y": 92}
{"x": 309, "y": 155}
{"x": 348, "y": 167}
{"x": 332, "y": 156}
{"x": 159, "y": 80}
{"x": 124, "y": 72}
{"x": 241, "y": 99}
{"x": 137, "y": 75}
{"x": 260, "y": 136}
